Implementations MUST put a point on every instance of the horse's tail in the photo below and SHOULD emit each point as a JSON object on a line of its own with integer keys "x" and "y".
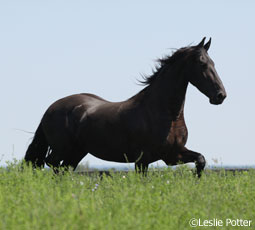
{"x": 38, "y": 149}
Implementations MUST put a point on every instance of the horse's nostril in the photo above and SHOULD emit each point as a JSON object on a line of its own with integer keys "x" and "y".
{"x": 218, "y": 98}
{"x": 221, "y": 96}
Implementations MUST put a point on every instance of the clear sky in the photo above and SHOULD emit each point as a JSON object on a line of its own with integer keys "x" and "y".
{"x": 51, "y": 49}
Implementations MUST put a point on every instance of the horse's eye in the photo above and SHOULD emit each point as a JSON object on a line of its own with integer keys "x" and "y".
{"x": 202, "y": 61}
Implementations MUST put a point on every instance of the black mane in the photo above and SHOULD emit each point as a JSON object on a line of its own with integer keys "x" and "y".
{"x": 165, "y": 61}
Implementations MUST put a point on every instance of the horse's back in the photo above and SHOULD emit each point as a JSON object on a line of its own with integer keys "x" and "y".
{"x": 66, "y": 113}
{"x": 68, "y": 103}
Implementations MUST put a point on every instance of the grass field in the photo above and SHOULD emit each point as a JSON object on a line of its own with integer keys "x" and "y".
{"x": 36, "y": 199}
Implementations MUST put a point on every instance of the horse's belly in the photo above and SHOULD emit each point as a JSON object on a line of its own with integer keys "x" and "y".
{"x": 110, "y": 146}
{"x": 115, "y": 156}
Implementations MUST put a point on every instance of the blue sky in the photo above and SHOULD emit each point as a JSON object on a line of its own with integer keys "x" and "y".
{"x": 51, "y": 49}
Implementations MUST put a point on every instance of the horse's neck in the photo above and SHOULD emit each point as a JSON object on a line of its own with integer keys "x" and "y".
{"x": 167, "y": 94}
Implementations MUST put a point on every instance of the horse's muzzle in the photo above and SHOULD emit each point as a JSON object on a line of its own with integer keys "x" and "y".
{"x": 218, "y": 98}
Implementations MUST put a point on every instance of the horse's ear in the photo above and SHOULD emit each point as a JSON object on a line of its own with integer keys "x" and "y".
{"x": 201, "y": 44}
{"x": 207, "y": 45}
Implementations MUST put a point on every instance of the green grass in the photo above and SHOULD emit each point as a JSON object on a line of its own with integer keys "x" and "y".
{"x": 36, "y": 199}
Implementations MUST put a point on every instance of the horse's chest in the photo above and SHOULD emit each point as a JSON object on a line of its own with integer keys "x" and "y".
{"x": 178, "y": 134}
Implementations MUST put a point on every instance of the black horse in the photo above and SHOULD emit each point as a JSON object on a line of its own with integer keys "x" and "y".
{"x": 145, "y": 128}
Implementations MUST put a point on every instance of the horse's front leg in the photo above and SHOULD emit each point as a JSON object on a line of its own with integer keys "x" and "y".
{"x": 142, "y": 163}
{"x": 187, "y": 156}
{"x": 141, "y": 167}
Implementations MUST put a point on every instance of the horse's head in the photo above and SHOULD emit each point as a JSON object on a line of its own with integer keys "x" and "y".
{"x": 202, "y": 74}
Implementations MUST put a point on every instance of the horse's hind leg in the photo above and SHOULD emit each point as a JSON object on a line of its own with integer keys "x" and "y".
{"x": 53, "y": 160}
{"x": 73, "y": 160}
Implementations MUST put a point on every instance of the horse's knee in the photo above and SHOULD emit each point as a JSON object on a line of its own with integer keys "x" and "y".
{"x": 201, "y": 162}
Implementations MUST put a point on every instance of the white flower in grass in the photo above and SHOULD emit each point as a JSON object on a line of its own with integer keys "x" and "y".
{"x": 73, "y": 195}
{"x": 81, "y": 183}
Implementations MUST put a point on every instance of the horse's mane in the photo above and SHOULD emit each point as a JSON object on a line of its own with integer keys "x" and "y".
{"x": 178, "y": 54}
